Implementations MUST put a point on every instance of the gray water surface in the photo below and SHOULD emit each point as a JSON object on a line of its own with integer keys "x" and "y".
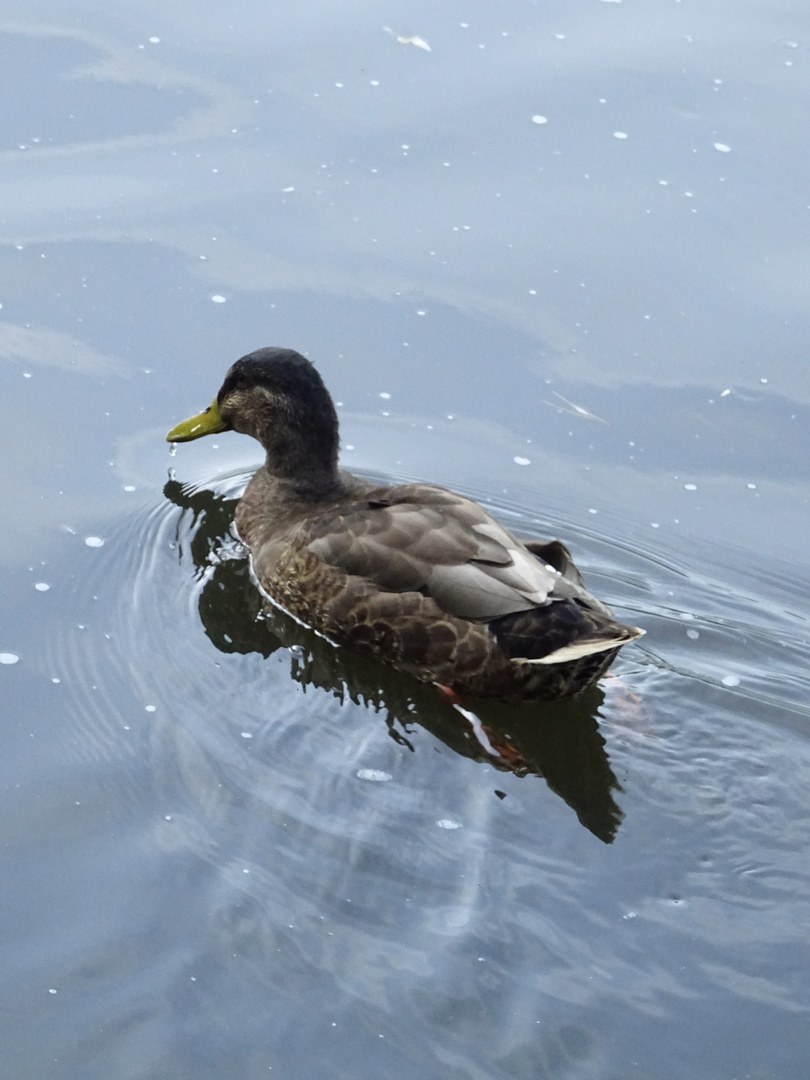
{"x": 557, "y": 260}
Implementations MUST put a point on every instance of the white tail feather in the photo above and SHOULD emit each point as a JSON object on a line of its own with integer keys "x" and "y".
{"x": 583, "y": 648}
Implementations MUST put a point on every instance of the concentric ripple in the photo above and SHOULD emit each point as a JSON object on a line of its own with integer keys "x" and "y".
{"x": 363, "y": 840}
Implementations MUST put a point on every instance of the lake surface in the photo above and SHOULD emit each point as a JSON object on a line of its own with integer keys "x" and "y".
{"x": 552, "y": 255}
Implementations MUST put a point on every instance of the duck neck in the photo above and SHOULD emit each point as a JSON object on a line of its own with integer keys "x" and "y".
{"x": 303, "y": 456}
{"x": 311, "y": 486}
{"x": 304, "y": 474}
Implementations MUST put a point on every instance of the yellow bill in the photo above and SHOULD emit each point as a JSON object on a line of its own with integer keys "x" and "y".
{"x": 208, "y": 422}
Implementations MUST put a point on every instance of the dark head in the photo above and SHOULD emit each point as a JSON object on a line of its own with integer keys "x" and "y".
{"x": 278, "y": 397}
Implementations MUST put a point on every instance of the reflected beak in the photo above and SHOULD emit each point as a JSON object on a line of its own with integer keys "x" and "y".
{"x": 208, "y": 422}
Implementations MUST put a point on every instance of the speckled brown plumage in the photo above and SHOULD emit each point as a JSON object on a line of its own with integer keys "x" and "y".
{"x": 418, "y": 576}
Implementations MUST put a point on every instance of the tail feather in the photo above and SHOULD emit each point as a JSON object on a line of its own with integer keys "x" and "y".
{"x": 587, "y": 647}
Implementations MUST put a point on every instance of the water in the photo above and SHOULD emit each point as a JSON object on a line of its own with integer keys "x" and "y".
{"x": 230, "y": 849}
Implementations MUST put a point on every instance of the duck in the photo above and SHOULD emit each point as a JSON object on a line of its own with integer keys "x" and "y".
{"x": 413, "y": 574}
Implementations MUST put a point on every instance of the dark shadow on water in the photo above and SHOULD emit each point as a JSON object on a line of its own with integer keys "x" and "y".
{"x": 558, "y": 741}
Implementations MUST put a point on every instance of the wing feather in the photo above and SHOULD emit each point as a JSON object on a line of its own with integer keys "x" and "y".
{"x": 419, "y": 537}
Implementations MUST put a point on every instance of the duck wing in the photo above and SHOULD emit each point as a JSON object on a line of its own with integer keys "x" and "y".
{"x": 417, "y": 537}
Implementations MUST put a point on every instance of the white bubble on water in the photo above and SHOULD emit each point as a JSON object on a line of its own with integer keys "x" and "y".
{"x": 373, "y": 774}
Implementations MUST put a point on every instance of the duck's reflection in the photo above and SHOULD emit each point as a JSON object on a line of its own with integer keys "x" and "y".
{"x": 559, "y": 741}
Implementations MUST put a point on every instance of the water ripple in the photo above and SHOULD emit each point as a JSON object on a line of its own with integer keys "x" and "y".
{"x": 247, "y": 744}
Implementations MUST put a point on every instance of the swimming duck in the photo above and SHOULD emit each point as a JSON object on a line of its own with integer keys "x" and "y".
{"x": 413, "y": 574}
